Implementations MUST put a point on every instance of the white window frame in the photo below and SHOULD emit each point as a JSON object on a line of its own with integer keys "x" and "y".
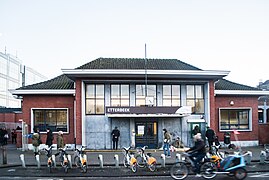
{"x": 32, "y": 118}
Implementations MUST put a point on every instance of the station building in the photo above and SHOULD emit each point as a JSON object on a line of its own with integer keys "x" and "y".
{"x": 140, "y": 97}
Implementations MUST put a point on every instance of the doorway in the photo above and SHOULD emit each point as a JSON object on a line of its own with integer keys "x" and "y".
{"x": 146, "y": 134}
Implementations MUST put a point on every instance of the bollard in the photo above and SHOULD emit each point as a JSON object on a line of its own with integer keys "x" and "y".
{"x": 4, "y": 153}
{"x": 100, "y": 157}
{"x": 37, "y": 160}
{"x": 22, "y": 160}
{"x": 262, "y": 157}
{"x": 116, "y": 158}
{"x": 53, "y": 160}
{"x": 163, "y": 160}
{"x": 178, "y": 157}
{"x": 248, "y": 157}
{"x": 69, "y": 160}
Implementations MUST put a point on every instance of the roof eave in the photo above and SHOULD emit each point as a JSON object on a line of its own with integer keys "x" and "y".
{"x": 197, "y": 74}
{"x": 241, "y": 92}
{"x": 43, "y": 92}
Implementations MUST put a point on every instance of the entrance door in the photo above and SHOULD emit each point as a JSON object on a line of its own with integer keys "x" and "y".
{"x": 146, "y": 134}
{"x": 192, "y": 125}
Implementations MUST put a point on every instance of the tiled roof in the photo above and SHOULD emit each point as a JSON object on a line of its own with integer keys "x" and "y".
{"x": 63, "y": 82}
{"x": 137, "y": 63}
{"x": 59, "y": 82}
{"x": 223, "y": 84}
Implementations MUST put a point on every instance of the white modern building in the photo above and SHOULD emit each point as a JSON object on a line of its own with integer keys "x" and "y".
{"x": 13, "y": 74}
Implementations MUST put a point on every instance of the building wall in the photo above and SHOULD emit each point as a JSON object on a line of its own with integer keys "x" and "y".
{"x": 50, "y": 101}
{"x": 239, "y": 102}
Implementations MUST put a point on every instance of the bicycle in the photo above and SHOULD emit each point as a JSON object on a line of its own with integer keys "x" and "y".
{"x": 180, "y": 170}
{"x": 65, "y": 163}
{"x": 51, "y": 160}
{"x": 80, "y": 158}
{"x": 145, "y": 159}
{"x": 129, "y": 159}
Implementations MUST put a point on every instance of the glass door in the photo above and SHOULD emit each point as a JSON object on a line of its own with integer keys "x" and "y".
{"x": 146, "y": 134}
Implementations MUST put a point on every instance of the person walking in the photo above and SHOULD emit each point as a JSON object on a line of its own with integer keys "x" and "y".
{"x": 36, "y": 141}
{"x": 115, "y": 137}
{"x": 49, "y": 137}
{"x": 166, "y": 143}
{"x": 14, "y": 136}
{"x": 210, "y": 135}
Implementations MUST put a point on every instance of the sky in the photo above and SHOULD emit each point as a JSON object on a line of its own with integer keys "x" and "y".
{"x": 51, "y": 35}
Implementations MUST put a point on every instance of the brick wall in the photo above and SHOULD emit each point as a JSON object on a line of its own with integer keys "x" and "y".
{"x": 263, "y": 133}
{"x": 50, "y": 101}
{"x": 239, "y": 102}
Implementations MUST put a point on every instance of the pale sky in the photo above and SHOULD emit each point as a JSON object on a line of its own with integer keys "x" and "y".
{"x": 50, "y": 35}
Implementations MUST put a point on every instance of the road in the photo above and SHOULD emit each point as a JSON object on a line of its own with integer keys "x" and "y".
{"x": 251, "y": 176}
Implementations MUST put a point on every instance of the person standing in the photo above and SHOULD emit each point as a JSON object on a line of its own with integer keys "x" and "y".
{"x": 36, "y": 141}
{"x": 210, "y": 135}
{"x": 2, "y": 134}
{"x": 115, "y": 137}
{"x": 49, "y": 137}
{"x": 60, "y": 140}
{"x": 196, "y": 130}
{"x": 14, "y": 136}
{"x": 166, "y": 143}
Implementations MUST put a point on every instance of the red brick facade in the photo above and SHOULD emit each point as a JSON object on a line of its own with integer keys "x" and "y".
{"x": 50, "y": 101}
{"x": 239, "y": 102}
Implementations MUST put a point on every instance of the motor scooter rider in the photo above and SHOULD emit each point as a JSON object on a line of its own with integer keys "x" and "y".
{"x": 198, "y": 152}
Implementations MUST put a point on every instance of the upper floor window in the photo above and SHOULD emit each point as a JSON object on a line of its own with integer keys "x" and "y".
{"x": 195, "y": 98}
{"x": 140, "y": 94}
{"x": 120, "y": 95}
{"x": 55, "y": 119}
{"x": 95, "y": 99}
{"x": 171, "y": 95}
{"x": 234, "y": 119}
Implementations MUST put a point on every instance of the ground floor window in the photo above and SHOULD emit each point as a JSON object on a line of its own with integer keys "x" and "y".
{"x": 55, "y": 119}
{"x": 234, "y": 119}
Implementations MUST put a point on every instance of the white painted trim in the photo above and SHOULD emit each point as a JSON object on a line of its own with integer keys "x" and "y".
{"x": 241, "y": 92}
{"x": 195, "y": 120}
{"x": 83, "y": 134}
{"x": 42, "y": 91}
{"x": 142, "y": 71}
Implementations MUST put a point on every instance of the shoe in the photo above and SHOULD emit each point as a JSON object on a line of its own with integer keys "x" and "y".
{"x": 198, "y": 175}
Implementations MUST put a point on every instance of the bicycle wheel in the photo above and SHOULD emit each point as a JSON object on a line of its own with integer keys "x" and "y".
{"x": 125, "y": 161}
{"x": 152, "y": 167}
{"x": 134, "y": 168}
{"x": 77, "y": 161}
{"x": 140, "y": 161}
{"x": 84, "y": 168}
{"x": 208, "y": 170}
{"x": 179, "y": 171}
{"x": 240, "y": 173}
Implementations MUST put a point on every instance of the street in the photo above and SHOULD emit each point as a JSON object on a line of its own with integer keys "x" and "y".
{"x": 33, "y": 173}
{"x": 251, "y": 176}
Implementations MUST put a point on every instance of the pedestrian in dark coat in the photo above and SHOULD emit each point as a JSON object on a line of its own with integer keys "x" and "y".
{"x": 49, "y": 137}
{"x": 210, "y": 134}
{"x": 115, "y": 137}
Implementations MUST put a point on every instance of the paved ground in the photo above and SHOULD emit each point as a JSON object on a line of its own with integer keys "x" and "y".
{"x": 14, "y": 164}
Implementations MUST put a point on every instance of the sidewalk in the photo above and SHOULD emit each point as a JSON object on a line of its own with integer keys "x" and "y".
{"x": 13, "y": 161}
